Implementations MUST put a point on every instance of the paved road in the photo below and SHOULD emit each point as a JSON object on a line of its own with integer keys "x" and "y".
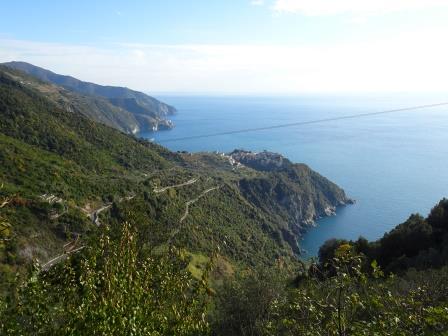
{"x": 70, "y": 247}
{"x": 94, "y": 216}
{"x": 160, "y": 190}
{"x": 187, "y": 205}
{"x": 187, "y": 211}
{"x": 59, "y": 258}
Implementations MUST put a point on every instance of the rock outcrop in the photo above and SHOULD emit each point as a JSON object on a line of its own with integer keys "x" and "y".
{"x": 296, "y": 193}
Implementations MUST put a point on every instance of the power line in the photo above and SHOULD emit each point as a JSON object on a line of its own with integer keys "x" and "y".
{"x": 300, "y": 123}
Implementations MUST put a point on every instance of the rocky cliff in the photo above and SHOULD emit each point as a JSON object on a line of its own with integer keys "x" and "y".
{"x": 294, "y": 192}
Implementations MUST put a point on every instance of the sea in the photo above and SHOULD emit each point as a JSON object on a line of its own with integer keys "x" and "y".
{"x": 392, "y": 164}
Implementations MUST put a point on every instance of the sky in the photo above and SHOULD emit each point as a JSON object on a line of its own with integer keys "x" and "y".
{"x": 235, "y": 46}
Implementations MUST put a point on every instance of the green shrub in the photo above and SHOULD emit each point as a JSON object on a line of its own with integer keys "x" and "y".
{"x": 113, "y": 291}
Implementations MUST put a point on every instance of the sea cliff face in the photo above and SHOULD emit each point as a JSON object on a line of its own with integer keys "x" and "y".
{"x": 296, "y": 193}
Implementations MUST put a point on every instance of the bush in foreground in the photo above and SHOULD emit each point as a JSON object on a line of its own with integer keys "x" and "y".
{"x": 114, "y": 291}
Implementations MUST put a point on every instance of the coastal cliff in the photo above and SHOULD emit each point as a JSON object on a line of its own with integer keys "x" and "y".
{"x": 294, "y": 192}
{"x": 291, "y": 195}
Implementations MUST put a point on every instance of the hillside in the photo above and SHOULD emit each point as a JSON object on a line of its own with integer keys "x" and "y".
{"x": 134, "y": 239}
{"x": 125, "y": 109}
{"x": 62, "y": 173}
{"x": 418, "y": 243}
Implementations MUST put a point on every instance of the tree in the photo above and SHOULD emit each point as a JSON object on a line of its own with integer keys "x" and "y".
{"x": 243, "y": 305}
{"x": 351, "y": 302}
{"x": 114, "y": 291}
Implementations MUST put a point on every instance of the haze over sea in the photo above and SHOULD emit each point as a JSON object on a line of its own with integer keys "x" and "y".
{"x": 392, "y": 165}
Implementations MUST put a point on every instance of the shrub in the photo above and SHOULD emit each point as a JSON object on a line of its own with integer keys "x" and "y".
{"x": 113, "y": 291}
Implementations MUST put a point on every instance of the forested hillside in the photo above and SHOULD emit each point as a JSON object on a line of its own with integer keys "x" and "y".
{"x": 102, "y": 233}
{"x": 418, "y": 243}
{"x": 117, "y": 287}
{"x": 64, "y": 174}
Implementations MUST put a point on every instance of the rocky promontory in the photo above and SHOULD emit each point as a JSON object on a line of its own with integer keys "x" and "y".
{"x": 293, "y": 191}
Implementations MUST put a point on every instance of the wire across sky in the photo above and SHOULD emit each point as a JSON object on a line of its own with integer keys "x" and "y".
{"x": 301, "y": 123}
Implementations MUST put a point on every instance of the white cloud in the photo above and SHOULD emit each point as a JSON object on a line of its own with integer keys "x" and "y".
{"x": 358, "y": 20}
{"x": 257, "y": 2}
{"x": 357, "y": 7}
{"x": 415, "y": 61}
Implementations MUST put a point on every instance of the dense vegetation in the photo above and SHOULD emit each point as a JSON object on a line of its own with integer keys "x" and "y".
{"x": 418, "y": 243}
{"x": 352, "y": 300}
{"x": 58, "y": 167}
{"x": 112, "y": 291}
{"x": 116, "y": 287}
{"x": 216, "y": 255}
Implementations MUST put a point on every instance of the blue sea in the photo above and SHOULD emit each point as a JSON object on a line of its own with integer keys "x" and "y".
{"x": 391, "y": 164}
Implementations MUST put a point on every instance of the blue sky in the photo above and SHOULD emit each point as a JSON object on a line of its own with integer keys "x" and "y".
{"x": 253, "y": 46}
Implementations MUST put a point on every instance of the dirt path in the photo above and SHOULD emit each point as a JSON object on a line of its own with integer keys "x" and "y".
{"x": 160, "y": 190}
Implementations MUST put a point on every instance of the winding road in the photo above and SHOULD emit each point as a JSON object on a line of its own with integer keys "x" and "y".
{"x": 187, "y": 211}
{"x": 160, "y": 190}
{"x": 94, "y": 216}
{"x": 70, "y": 246}
{"x": 59, "y": 258}
{"x": 190, "y": 202}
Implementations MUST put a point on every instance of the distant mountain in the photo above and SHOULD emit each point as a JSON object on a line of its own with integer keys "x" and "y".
{"x": 94, "y": 107}
{"x": 125, "y": 109}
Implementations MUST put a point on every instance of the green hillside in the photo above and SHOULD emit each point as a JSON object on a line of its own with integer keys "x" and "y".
{"x": 102, "y": 233}
{"x": 59, "y": 168}
{"x": 419, "y": 243}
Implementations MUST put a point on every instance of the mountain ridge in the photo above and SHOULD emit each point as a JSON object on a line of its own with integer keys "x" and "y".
{"x": 141, "y": 112}
{"x": 49, "y": 150}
